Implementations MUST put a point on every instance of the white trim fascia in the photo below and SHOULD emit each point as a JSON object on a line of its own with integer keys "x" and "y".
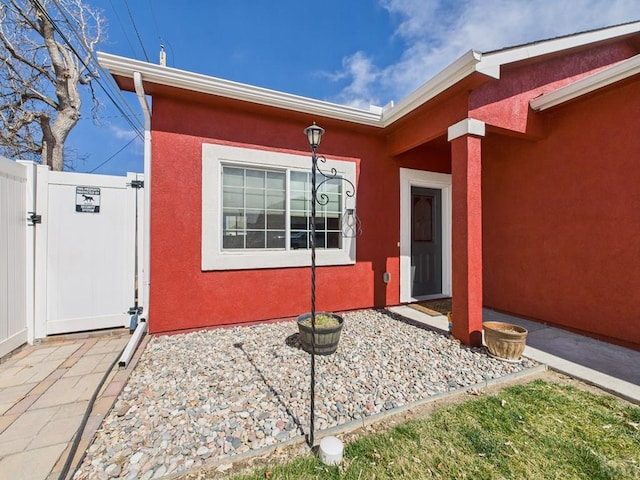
{"x": 603, "y": 78}
{"x": 422, "y": 178}
{"x": 545, "y": 47}
{"x": 468, "y": 126}
{"x": 196, "y": 82}
{"x": 473, "y": 61}
{"x": 376, "y": 117}
{"x": 458, "y": 70}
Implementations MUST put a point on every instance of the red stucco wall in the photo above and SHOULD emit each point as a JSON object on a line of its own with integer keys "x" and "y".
{"x": 182, "y": 296}
{"x": 561, "y": 218}
{"x": 505, "y": 104}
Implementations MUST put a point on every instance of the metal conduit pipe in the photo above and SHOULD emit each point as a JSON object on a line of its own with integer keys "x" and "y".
{"x": 141, "y": 326}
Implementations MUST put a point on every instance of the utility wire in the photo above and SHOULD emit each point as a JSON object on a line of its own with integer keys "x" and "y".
{"x": 45, "y": 13}
{"x": 112, "y": 156}
{"x": 124, "y": 32}
{"x": 133, "y": 22}
{"x": 155, "y": 20}
{"x": 136, "y": 127}
{"x": 155, "y": 23}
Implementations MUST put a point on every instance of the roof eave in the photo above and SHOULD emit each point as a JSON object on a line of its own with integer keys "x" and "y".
{"x": 545, "y": 47}
{"x": 608, "y": 76}
{"x": 488, "y": 64}
{"x": 455, "y": 72}
{"x": 173, "y": 77}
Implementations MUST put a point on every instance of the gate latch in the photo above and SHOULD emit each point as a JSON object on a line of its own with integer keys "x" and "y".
{"x": 137, "y": 183}
{"x": 135, "y": 311}
{"x": 33, "y": 218}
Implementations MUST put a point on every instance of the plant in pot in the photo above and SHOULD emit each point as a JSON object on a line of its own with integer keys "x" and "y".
{"x": 327, "y": 326}
{"x": 505, "y": 340}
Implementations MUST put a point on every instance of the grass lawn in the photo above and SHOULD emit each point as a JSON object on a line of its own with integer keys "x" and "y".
{"x": 539, "y": 430}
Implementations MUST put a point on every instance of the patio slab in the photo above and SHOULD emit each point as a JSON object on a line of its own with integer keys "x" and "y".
{"x": 44, "y": 391}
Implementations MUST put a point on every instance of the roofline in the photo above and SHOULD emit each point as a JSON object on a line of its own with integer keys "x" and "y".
{"x": 619, "y": 71}
{"x": 173, "y": 77}
{"x": 491, "y": 60}
{"x": 559, "y": 37}
{"x": 377, "y": 117}
{"x": 455, "y": 72}
{"x": 488, "y": 64}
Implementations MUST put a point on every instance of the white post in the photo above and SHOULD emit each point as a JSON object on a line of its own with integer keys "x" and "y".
{"x": 30, "y": 249}
{"x": 40, "y": 257}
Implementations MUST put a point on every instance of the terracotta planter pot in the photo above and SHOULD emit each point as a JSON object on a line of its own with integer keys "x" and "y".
{"x": 326, "y": 339}
{"x": 505, "y": 340}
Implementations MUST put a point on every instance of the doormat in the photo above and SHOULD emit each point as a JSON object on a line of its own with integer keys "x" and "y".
{"x": 433, "y": 307}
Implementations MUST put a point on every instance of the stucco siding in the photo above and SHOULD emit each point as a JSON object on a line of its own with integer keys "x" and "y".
{"x": 561, "y": 223}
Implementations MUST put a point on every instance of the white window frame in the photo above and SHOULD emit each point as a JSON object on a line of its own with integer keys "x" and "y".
{"x": 214, "y": 157}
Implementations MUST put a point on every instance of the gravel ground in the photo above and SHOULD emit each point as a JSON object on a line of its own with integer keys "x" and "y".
{"x": 201, "y": 396}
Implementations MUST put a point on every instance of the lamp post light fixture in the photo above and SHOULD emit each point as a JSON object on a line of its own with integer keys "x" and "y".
{"x": 350, "y": 228}
{"x": 314, "y": 136}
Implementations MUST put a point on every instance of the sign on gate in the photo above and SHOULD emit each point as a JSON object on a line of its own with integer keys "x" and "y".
{"x": 88, "y": 199}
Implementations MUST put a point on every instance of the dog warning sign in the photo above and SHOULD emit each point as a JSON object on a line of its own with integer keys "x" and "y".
{"x": 88, "y": 199}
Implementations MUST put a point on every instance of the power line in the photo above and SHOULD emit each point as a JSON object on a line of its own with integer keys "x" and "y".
{"x": 81, "y": 40}
{"x": 112, "y": 156}
{"x": 91, "y": 54}
{"x": 155, "y": 21}
{"x": 124, "y": 32}
{"x": 136, "y": 30}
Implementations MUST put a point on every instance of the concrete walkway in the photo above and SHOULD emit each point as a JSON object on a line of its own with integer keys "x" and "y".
{"x": 44, "y": 392}
{"x": 610, "y": 367}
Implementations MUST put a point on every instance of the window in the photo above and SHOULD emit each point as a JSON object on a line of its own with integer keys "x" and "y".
{"x": 328, "y": 212}
{"x": 253, "y": 208}
{"x": 256, "y": 210}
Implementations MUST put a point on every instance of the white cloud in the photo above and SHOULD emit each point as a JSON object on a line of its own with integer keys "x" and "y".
{"x": 364, "y": 77}
{"x": 130, "y": 141}
{"x": 121, "y": 133}
{"x": 434, "y": 33}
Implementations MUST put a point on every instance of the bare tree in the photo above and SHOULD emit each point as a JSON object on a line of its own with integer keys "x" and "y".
{"x": 46, "y": 49}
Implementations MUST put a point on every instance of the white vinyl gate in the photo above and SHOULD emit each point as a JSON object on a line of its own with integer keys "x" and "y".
{"x": 85, "y": 251}
{"x": 73, "y": 266}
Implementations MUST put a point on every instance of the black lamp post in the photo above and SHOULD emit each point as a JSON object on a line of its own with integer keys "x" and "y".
{"x": 350, "y": 228}
{"x": 314, "y": 135}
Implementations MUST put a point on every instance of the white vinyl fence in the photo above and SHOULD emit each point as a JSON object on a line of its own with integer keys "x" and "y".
{"x": 13, "y": 255}
{"x": 67, "y": 251}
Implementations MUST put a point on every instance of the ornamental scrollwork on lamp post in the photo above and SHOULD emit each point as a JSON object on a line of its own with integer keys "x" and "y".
{"x": 350, "y": 227}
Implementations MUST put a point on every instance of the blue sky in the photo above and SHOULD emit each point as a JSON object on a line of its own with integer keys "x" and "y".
{"x": 355, "y": 52}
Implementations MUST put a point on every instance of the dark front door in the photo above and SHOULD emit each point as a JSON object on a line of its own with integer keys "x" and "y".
{"x": 426, "y": 241}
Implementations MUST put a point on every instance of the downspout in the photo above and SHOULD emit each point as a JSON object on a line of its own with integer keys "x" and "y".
{"x": 146, "y": 229}
{"x": 142, "y": 326}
